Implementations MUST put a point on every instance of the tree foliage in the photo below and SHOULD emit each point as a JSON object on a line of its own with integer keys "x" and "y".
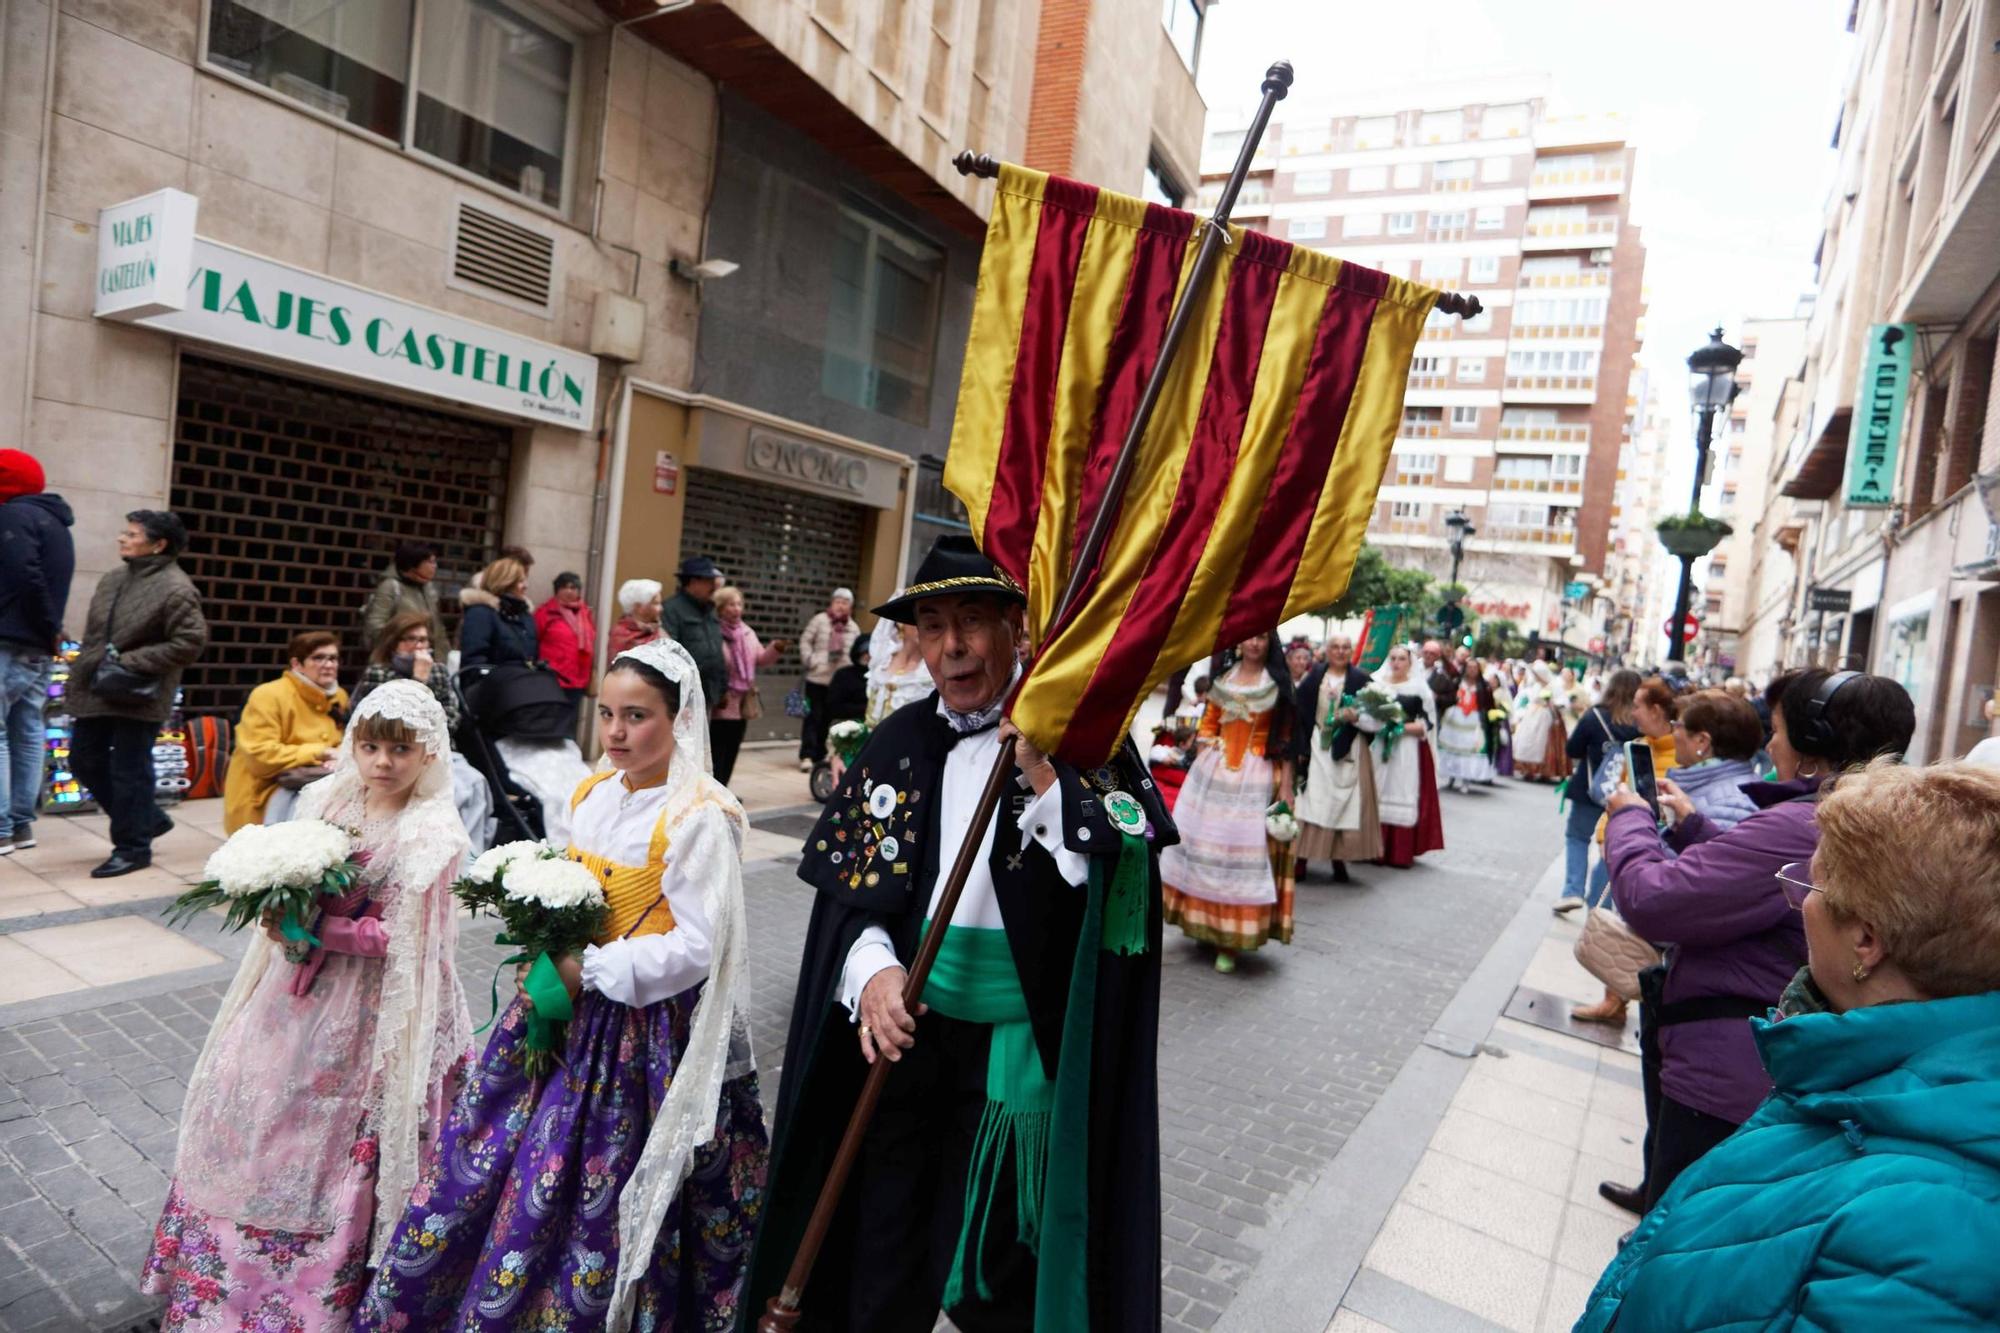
{"x": 1376, "y": 582}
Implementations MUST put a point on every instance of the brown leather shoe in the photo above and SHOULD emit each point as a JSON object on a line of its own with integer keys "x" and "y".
{"x": 1609, "y": 1010}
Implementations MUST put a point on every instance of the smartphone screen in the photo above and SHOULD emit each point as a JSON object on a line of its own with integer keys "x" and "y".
{"x": 1639, "y": 774}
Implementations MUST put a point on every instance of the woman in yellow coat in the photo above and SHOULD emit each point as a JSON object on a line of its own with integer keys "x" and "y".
{"x": 290, "y": 725}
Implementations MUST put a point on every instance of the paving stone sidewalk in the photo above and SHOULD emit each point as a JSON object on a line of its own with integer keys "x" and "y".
{"x": 1264, "y": 1074}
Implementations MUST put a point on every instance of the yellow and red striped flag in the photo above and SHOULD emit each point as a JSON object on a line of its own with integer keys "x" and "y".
{"x": 1257, "y": 473}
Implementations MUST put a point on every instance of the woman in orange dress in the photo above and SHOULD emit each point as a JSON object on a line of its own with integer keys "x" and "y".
{"x": 1228, "y": 884}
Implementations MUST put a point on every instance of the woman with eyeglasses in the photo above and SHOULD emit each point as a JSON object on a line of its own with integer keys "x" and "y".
{"x": 1865, "y": 1194}
{"x": 1708, "y": 896}
{"x": 289, "y": 735}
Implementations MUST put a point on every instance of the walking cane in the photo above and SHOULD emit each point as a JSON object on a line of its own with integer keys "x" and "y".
{"x": 782, "y": 1312}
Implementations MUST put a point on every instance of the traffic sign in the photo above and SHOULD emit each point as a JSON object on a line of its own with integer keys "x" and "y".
{"x": 1691, "y": 628}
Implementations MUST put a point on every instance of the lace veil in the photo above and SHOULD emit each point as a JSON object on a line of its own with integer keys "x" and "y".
{"x": 422, "y": 1026}
{"x": 718, "y": 1047}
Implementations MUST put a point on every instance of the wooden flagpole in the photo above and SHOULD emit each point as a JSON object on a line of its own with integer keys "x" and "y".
{"x": 781, "y": 1313}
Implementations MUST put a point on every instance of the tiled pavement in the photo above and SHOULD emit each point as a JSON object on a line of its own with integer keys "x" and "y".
{"x": 1264, "y": 1075}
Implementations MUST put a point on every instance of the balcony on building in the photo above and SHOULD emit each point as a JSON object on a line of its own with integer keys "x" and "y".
{"x": 1540, "y": 431}
{"x": 1569, "y": 227}
{"x": 1941, "y": 226}
{"x": 1566, "y": 176}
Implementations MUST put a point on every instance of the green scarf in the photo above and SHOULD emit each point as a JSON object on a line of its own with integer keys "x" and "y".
{"x": 974, "y": 981}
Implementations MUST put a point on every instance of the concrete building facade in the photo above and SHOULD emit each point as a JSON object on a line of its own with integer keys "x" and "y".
{"x": 512, "y": 196}
{"x": 1907, "y": 574}
{"x": 1516, "y": 416}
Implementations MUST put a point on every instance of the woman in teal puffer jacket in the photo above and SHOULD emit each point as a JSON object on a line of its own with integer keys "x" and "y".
{"x": 1864, "y": 1194}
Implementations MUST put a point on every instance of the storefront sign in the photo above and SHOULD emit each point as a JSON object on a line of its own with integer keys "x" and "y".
{"x": 144, "y": 249}
{"x": 1878, "y": 416}
{"x": 1498, "y": 610}
{"x": 799, "y": 460}
{"x": 236, "y": 299}
{"x": 666, "y": 473}
{"x": 1577, "y": 591}
{"x": 1837, "y": 600}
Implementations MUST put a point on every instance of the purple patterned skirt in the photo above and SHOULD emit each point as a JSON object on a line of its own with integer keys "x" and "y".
{"x": 513, "y": 1223}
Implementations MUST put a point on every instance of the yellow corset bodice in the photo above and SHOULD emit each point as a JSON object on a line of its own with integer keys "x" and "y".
{"x": 633, "y": 892}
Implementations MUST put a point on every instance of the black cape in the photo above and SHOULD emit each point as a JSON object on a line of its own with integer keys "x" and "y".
{"x": 857, "y": 886}
{"x": 1305, "y": 734}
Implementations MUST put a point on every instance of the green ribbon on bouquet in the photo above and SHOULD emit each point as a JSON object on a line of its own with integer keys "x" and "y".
{"x": 549, "y": 1007}
{"x": 1391, "y": 733}
{"x": 294, "y": 930}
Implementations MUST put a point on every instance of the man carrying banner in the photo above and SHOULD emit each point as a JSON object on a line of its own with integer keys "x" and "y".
{"x": 1011, "y": 1174}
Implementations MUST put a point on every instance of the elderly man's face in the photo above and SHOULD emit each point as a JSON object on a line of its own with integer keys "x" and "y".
{"x": 970, "y": 644}
{"x": 1339, "y": 652}
{"x": 1433, "y": 652}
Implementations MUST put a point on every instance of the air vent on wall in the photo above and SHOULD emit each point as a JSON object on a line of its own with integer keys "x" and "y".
{"x": 503, "y": 256}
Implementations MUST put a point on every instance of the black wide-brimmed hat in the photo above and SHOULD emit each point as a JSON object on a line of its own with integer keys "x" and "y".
{"x": 699, "y": 567}
{"x": 955, "y": 567}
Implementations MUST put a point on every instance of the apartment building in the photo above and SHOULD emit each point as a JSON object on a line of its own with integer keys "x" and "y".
{"x": 1638, "y": 575}
{"x": 451, "y": 280}
{"x": 1517, "y": 416}
{"x": 1898, "y": 451}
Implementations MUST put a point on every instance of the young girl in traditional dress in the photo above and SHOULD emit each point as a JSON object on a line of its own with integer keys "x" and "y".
{"x": 322, "y": 1081}
{"x": 630, "y": 1180}
{"x": 1227, "y": 883}
{"x": 1465, "y": 745}
{"x": 1406, "y": 783}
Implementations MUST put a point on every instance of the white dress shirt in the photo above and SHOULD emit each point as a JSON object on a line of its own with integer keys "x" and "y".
{"x": 965, "y": 772}
{"x": 618, "y": 824}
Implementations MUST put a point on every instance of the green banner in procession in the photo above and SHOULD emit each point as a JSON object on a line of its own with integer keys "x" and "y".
{"x": 1878, "y": 416}
{"x": 1380, "y": 631}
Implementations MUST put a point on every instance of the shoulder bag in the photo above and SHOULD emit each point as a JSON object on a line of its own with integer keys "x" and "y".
{"x": 113, "y": 681}
{"x": 1609, "y": 951}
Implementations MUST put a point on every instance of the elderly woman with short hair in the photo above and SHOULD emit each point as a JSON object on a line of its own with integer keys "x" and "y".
{"x": 639, "y": 599}
{"x": 1864, "y": 1194}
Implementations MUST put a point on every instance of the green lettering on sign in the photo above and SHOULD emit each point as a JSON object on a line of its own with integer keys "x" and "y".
{"x": 1877, "y": 430}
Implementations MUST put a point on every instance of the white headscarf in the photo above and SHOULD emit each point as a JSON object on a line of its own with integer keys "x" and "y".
{"x": 422, "y": 1027}
{"x": 718, "y": 1046}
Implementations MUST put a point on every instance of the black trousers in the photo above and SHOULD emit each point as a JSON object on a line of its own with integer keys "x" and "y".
{"x": 909, "y": 1195}
{"x": 1652, "y": 989}
{"x": 113, "y": 757}
{"x": 725, "y": 738}
{"x": 1681, "y": 1137}
{"x": 812, "y": 733}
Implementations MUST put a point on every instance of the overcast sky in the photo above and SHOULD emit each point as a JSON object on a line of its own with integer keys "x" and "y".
{"x": 1733, "y": 106}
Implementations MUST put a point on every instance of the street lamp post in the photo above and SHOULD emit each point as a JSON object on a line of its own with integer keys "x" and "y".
{"x": 1711, "y": 388}
{"x": 1457, "y": 527}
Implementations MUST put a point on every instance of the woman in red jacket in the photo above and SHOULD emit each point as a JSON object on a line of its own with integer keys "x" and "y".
{"x": 568, "y": 635}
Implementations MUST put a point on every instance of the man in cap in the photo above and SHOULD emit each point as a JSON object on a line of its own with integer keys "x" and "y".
{"x": 1010, "y": 1175}
{"x": 823, "y": 648}
{"x": 689, "y": 619}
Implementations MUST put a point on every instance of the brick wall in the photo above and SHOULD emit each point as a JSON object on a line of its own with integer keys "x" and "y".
{"x": 1052, "y": 110}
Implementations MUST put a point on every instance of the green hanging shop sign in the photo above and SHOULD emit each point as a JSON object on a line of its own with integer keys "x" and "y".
{"x": 1878, "y": 416}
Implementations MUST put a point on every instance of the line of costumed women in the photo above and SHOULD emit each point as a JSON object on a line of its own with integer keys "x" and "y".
{"x": 1229, "y": 883}
{"x": 322, "y": 1081}
{"x": 622, "y": 1190}
{"x": 1406, "y": 774}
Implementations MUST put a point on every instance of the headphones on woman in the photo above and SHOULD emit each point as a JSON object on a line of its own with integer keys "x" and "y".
{"x": 1819, "y": 738}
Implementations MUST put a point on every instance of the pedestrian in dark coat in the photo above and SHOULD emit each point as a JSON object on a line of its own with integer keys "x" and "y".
{"x": 146, "y": 615}
{"x": 689, "y": 619}
{"x": 37, "y": 560}
{"x": 499, "y": 626}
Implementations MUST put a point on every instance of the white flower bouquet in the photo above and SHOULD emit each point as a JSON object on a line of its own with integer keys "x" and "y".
{"x": 284, "y": 868}
{"x": 548, "y": 906}
{"x": 847, "y": 738}
{"x": 1379, "y": 702}
{"x": 1280, "y": 824}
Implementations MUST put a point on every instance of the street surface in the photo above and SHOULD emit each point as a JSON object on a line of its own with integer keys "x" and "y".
{"x": 1264, "y": 1074}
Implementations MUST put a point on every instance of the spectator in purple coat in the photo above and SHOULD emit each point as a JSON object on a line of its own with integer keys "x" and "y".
{"x": 1711, "y": 899}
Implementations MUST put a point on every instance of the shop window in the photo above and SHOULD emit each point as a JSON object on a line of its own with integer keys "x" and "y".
{"x": 495, "y": 81}
{"x": 881, "y": 330}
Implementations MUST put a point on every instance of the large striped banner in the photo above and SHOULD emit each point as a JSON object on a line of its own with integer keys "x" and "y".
{"x": 1258, "y": 470}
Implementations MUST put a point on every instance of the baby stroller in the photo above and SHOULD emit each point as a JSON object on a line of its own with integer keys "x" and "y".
{"x": 518, "y": 728}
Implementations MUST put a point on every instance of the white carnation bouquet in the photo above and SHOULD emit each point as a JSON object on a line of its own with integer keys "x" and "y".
{"x": 847, "y": 738}
{"x": 284, "y": 869}
{"x": 1280, "y": 824}
{"x": 548, "y": 906}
